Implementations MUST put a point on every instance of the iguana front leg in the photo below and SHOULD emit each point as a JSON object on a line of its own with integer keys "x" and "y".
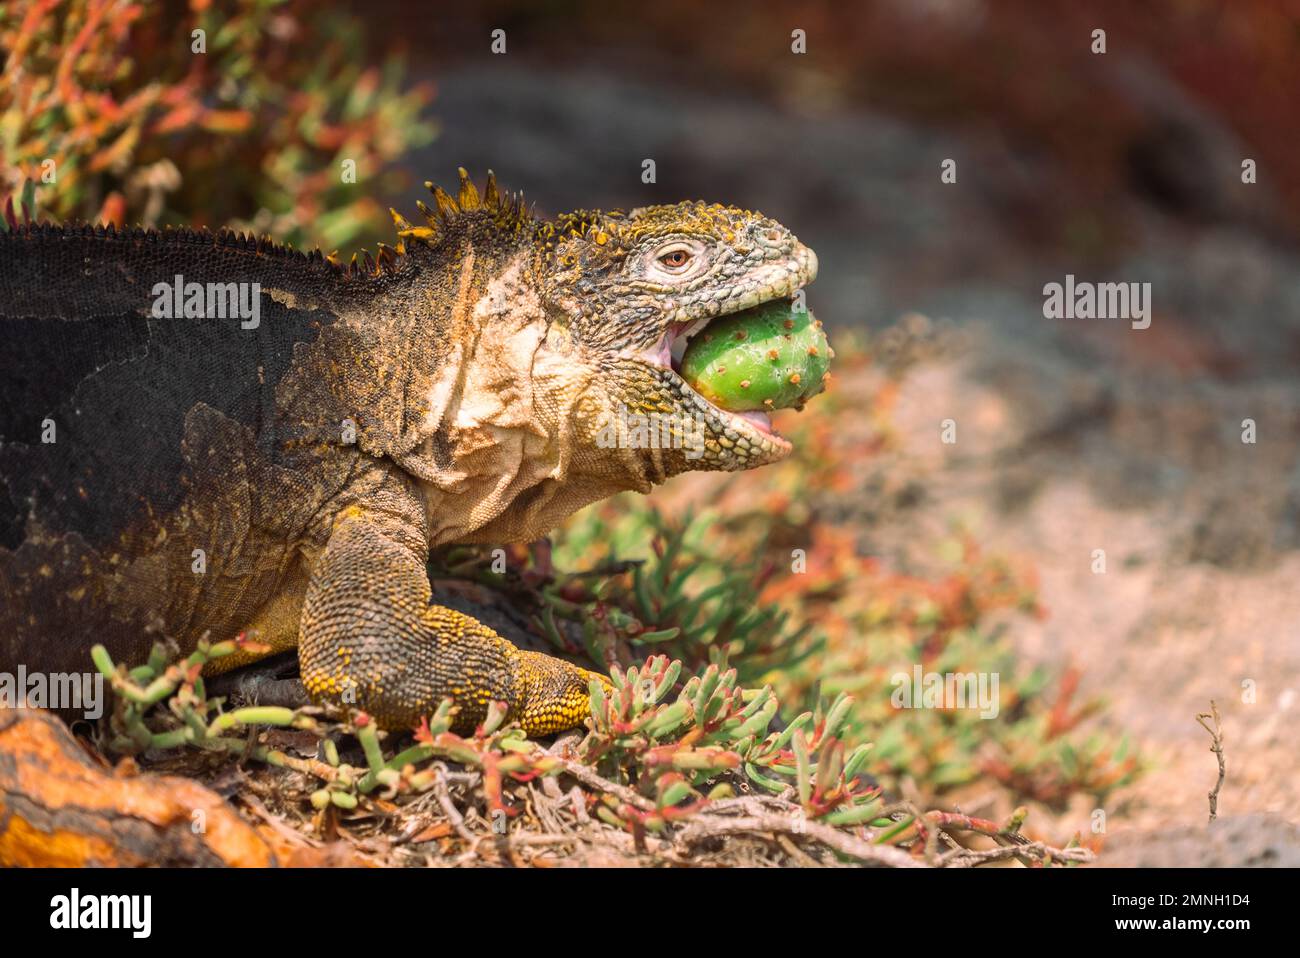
{"x": 370, "y": 638}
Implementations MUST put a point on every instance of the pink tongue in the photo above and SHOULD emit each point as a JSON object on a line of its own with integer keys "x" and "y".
{"x": 663, "y": 354}
{"x": 759, "y": 419}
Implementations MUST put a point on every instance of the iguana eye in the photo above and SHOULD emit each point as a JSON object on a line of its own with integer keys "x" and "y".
{"x": 675, "y": 260}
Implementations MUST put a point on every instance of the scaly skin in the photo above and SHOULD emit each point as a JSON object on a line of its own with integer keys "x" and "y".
{"x": 456, "y": 392}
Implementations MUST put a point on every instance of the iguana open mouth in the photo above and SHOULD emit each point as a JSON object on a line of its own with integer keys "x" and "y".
{"x": 667, "y": 354}
{"x": 677, "y": 348}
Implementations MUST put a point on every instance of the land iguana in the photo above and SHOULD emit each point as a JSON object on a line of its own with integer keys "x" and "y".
{"x": 169, "y": 469}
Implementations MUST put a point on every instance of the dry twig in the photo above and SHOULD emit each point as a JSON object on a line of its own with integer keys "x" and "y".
{"x": 1216, "y": 747}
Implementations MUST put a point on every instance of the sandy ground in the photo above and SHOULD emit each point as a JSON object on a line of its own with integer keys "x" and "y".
{"x": 1161, "y": 632}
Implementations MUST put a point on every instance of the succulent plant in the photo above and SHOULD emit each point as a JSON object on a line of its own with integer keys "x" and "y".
{"x": 115, "y": 121}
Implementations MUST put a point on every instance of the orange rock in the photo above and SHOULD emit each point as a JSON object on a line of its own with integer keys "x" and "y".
{"x": 59, "y": 807}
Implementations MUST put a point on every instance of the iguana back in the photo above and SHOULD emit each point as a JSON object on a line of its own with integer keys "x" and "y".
{"x": 111, "y": 416}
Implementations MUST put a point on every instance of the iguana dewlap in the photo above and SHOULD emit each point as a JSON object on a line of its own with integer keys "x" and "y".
{"x": 184, "y": 457}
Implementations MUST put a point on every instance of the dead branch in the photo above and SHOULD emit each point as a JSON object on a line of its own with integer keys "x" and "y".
{"x": 711, "y": 826}
{"x": 1216, "y": 747}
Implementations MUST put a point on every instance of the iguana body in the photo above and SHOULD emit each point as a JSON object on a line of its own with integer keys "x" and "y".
{"x": 205, "y": 476}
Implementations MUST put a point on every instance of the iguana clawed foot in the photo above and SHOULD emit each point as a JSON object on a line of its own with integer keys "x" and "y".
{"x": 370, "y": 639}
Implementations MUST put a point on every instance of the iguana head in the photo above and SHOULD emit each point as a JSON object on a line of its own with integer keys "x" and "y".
{"x": 558, "y": 385}
{"x": 630, "y": 289}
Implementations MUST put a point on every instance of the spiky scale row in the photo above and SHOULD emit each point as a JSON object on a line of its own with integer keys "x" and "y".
{"x": 508, "y": 211}
{"x": 224, "y": 238}
{"x": 508, "y": 215}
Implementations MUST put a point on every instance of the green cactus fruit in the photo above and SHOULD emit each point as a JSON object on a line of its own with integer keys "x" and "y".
{"x": 772, "y": 356}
